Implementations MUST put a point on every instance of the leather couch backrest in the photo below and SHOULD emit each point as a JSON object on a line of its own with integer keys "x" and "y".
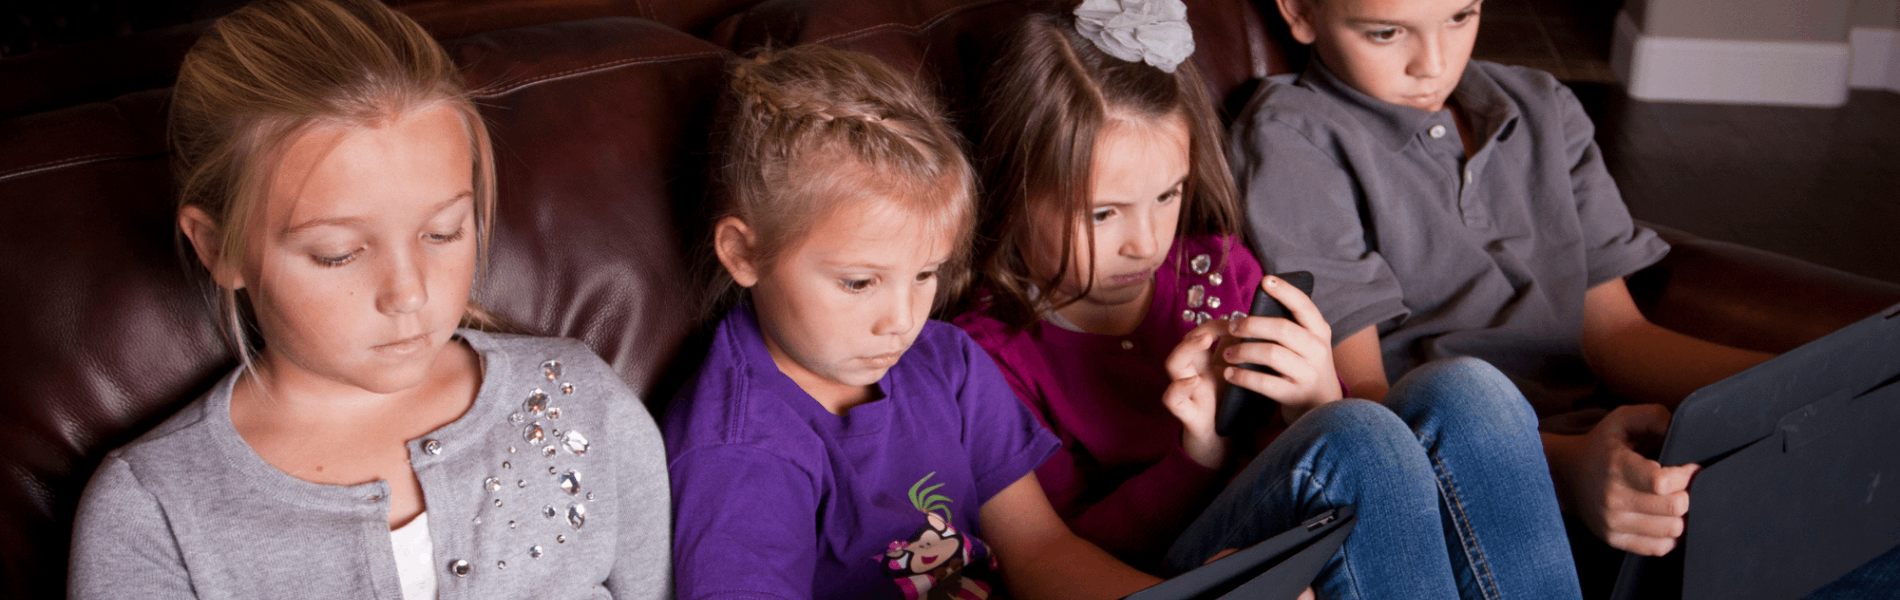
{"x": 457, "y": 18}
{"x": 106, "y": 334}
{"x": 104, "y": 69}
{"x": 601, "y": 130}
{"x": 950, "y": 42}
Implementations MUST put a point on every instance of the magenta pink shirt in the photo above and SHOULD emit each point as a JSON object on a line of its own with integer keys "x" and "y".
{"x": 1120, "y": 479}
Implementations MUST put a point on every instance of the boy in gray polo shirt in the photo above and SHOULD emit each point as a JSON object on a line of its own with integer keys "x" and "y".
{"x": 1449, "y": 207}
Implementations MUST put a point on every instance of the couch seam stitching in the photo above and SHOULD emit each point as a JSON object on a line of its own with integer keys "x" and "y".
{"x": 928, "y": 23}
{"x": 625, "y": 62}
{"x": 63, "y": 163}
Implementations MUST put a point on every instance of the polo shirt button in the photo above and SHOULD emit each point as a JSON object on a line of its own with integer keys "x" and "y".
{"x": 1437, "y": 131}
{"x": 1467, "y": 176}
{"x": 1128, "y": 345}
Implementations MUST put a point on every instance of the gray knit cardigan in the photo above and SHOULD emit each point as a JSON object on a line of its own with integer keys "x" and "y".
{"x": 552, "y": 485}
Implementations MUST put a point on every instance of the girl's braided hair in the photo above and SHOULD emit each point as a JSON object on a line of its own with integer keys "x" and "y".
{"x": 811, "y": 130}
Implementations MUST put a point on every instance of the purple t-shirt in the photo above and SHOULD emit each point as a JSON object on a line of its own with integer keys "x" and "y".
{"x": 774, "y": 497}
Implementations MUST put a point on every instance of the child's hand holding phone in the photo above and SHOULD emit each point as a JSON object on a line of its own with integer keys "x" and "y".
{"x": 1283, "y": 353}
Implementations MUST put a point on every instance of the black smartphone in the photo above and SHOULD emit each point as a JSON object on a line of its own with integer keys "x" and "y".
{"x": 1242, "y": 409}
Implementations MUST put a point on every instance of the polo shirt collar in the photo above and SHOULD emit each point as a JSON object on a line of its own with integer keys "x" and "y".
{"x": 1485, "y": 103}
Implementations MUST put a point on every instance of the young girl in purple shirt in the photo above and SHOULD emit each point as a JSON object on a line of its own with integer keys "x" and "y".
{"x": 836, "y": 443}
{"x": 1113, "y": 299}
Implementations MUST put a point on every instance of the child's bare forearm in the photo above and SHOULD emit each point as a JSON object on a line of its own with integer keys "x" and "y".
{"x": 1653, "y": 364}
{"x": 1360, "y": 365}
{"x": 1068, "y": 567}
{"x": 1041, "y": 559}
{"x": 1645, "y": 362}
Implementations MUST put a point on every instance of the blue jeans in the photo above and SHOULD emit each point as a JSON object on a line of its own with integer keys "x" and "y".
{"x": 1449, "y": 481}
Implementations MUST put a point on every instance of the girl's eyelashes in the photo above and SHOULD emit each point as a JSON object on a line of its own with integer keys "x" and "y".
{"x": 858, "y": 286}
{"x": 1383, "y": 34}
{"x": 1101, "y": 214}
{"x": 1169, "y": 196}
{"x": 338, "y": 260}
{"x": 1464, "y": 16}
{"x": 335, "y": 260}
{"x": 440, "y": 238}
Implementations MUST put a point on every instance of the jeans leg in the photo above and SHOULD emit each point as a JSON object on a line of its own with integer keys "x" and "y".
{"x": 1501, "y": 520}
{"x": 1347, "y": 452}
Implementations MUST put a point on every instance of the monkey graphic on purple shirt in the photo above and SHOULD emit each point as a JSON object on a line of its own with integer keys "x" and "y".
{"x": 932, "y": 563}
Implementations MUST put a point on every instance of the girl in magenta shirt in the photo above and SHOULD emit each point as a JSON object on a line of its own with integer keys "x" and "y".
{"x": 1112, "y": 299}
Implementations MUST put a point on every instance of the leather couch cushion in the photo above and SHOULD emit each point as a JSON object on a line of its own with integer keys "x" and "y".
{"x": 106, "y": 334}
{"x": 601, "y": 131}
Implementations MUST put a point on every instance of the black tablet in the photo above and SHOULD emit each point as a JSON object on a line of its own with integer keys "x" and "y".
{"x": 1278, "y": 568}
{"x": 1791, "y": 494}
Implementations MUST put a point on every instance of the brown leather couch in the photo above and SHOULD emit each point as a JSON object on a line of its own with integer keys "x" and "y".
{"x": 600, "y": 127}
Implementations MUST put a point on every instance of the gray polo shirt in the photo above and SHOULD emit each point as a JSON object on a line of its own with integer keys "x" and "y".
{"x": 552, "y": 485}
{"x": 1448, "y": 255}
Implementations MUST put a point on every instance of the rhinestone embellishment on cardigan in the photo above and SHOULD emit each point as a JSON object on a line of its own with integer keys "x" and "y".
{"x": 574, "y": 442}
{"x": 549, "y": 441}
{"x": 576, "y": 516}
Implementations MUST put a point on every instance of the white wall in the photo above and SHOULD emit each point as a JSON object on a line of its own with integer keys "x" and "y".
{"x": 1792, "y": 52}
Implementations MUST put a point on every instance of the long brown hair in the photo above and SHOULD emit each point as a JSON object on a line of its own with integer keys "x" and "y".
{"x": 266, "y": 73}
{"x": 1050, "y": 95}
{"x": 804, "y": 128}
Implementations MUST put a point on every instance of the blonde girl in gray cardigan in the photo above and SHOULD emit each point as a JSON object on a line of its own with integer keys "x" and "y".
{"x": 338, "y": 187}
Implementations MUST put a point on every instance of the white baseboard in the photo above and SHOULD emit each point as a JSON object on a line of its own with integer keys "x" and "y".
{"x": 1737, "y": 71}
{"x": 1876, "y": 58}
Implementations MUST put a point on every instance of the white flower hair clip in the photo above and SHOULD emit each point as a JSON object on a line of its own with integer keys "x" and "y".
{"x": 1151, "y": 31}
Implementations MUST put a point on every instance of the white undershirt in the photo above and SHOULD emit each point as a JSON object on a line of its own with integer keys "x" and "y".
{"x": 415, "y": 558}
{"x": 1056, "y": 319}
